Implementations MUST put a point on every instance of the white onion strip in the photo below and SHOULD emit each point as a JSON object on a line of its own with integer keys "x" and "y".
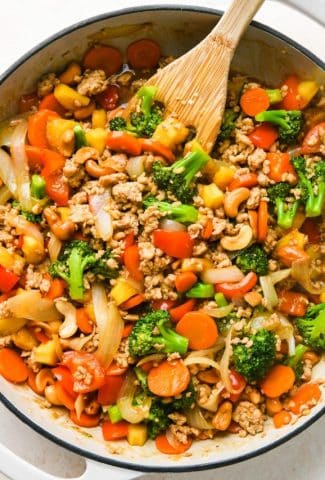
{"x": 154, "y": 357}
{"x": 103, "y": 221}
{"x": 219, "y": 312}
{"x": 7, "y": 172}
{"x": 202, "y": 361}
{"x": 269, "y": 293}
{"x": 219, "y": 275}
{"x": 54, "y": 247}
{"x": 224, "y": 363}
{"x": 132, "y": 413}
{"x": 280, "y": 275}
{"x": 20, "y": 163}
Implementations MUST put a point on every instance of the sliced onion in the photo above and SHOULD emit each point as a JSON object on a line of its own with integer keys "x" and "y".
{"x": 219, "y": 275}
{"x": 301, "y": 272}
{"x": 224, "y": 363}
{"x": 20, "y": 163}
{"x": 195, "y": 419}
{"x": 171, "y": 225}
{"x": 5, "y": 194}
{"x": 7, "y": 172}
{"x": 154, "y": 357}
{"x": 32, "y": 306}
{"x": 103, "y": 220}
{"x": 109, "y": 324}
{"x": 280, "y": 275}
{"x": 77, "y": 343}
{"x": 202, "y": 361}
{"x": 132, "y": 413}
{"x": 7, "y": 128}
{"x": 219, "y": 312}
{"x": 208, "y": 352}
{"x": 269, "y": 293}
{"x": 135, "y": 167}
{"x": 54, "y": 247}
{"x": 79, "y": 405}
{"x": 24, "y": 227}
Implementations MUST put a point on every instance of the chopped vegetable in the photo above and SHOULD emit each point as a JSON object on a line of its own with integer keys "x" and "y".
{"x": 295, "y": 361}
{"x": 312, "y": 326}
{"x": 144, "y": 53}
{"x": 103, "y": 57}
{"x": 284, "y": 202}
{"x": 263, "y": 136}
{"x": 238, "y": 289}
{"x": 179, "y": 212}
{"x": 80, "y": 137}
{"x": 289, "y": 123}
{"x": 254, "y": 101}
{"x": 175, "y": 244}
{"x": 200, "y": 329}
{"x": 253, "y": 259}
{"x": 201, "y": 290}
{"x": 38, "y": 186}
{"x": 169, "y": 379}
{"x": 280, "y": 165}
{"x": 279, "y": 380}
{"x": 228, "y": 124}
{"x": 94, "y": 376}
{"x": 310, "y": 180}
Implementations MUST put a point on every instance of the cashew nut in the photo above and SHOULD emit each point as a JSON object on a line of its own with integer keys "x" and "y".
{"x": 239, "y": 241}
{"x": 44, "y": 378}
{"x": 69, "y": 327}
{"x": 76, "y": 343}
{"x": 84, "y": 154}
{"x": 63, "y": 230}
{"x": 234, "y": 199}
{"x": 51, "y": 395}
{"x": 95, "y": 170}
{"x": 222, "y": 418}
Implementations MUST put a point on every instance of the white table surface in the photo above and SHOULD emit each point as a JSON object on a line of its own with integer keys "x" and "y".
{"x": 24, "y": 24}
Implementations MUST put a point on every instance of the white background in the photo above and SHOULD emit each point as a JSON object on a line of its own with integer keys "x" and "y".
{"x": 25, "y": 23}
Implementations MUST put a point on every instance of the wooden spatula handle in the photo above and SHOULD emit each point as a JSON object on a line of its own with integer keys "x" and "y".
{"x": 236, "y": 20}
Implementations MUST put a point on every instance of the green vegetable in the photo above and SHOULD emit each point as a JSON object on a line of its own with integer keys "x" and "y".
{"x": 145, "y": 122}
{"x": 253, "y": 259}
{"x": 114, "y": 414}
{"x": 79, "y": 137}
{"x": 37, "y": 186}
{"x": 295, "y": 361}
{"x": 31, "y": 217}
{"x": 275, "y": 95}
{"x": 254, "y": 361}
{"x": 220, "y": 300}
{"x": 178, "y": 179}
{"x": 76, "y": 259}
{"x": 280, "y": 196}
{"x": 312, "y": 326}
{"x": 226, "y": 322}
{"x": 152, "y": 333}
{"x": 312, "y": 185}
{"x": 142, "y": 378}
{"x": 201, "y": 290}
{"x": 228, "y": 124}
{"x": 179, "y": 212}
{"x": 184, "y": 401}
{"x": 158, "y": 420}
{"x": 288, "y": 121}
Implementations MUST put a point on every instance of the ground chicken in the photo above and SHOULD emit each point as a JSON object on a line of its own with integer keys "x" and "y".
{"x": 93, "y": 82}
{"x": 123, "y": 357}
{"x": 182, "y": 432}
{"x": 127, "y": 192}
{"x": 47, "y": 84}
{"x": 255, "y": 160}
{"x": 249, "y": 417}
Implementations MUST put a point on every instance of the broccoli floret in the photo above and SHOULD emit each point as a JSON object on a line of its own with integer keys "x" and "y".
{"x": 286, "y": 212}
{"x": 228, "y": 124}
{"x": 142, "y": 378}
{"x": 185, "y": 400}
{"x": 253, "y": 362}
{"x": 145, "y": 122}
{"x": 312, "y": 326}
{"x": 77, "y": 258}
{"x": 295, "y": 361}
{"x": 288, "y": 121}
{"x": 157, "y": 420}
{"x": 226, "y": 322}
{"x": 253, "y": 259}
{"x": 152, "y": 333}
{"x": 30, "y": 216}
{"x": 181, "y": 213}
{"x": 312, "y": 185}
{"x": 178, "y": 179}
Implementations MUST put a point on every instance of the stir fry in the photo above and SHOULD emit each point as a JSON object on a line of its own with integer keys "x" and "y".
{"x": 151, "y": 288}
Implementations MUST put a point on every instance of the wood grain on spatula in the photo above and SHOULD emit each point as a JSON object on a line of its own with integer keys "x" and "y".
{"x": 194, "y": 87}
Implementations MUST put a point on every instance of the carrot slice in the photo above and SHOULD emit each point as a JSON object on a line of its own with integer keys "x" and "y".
{"x": 169, "y": 378}
{"x": 56, "y": 289}
{"x": 144, "y": 53}
{"x": 88, "y": 421}
{"x": 12, "y": 366}
{"x": 37, "y": 127}
{"x": 306, "y": 396}
{"x": 246, "y": 180}
{"x": 84, "y": 323}
{"x": 184, "y": 281}
{"x": 254, "y": 101}
{"x": 164, "y": 446}
{"x": 281, "y": 419}
{"x": 49, "y": 102}
{"x": 262, "y": 221}
{"x": 114, "y": 431}
{"x": 124, "y": 142}
{"x": 176, "y": 313}
{"x": 199, "y": 328}
{"x": 157, "y": 148}
{"x": 132, "y": 262}
{"x": 279, "y": 380}
{"x": 103, "y": 57}
{"x": 133, "y": 301}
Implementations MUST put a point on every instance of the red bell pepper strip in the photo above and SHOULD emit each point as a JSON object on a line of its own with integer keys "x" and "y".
{"x": 235, "y": 290}
{"x": 174, "y": 244}
{"x": 124, "y": 142}
{"x": 8, "y": 280}
{"x": 264, "y": 136}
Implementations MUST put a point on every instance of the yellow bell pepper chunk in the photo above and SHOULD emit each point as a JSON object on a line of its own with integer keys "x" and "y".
{"x": 293, "y": 238}
{"x": 122, "y": 291}
{"x": 224, "y": 176}
{"x": 308, "y": 89}
{"x": 33, "y": 250}
{"x": 47, "y": 353}
{"x": 24, "y": 339}
{"x": 59, "y": 134}
{"x": 212, "y": 195}
{"x": 11, "y": 261}
{"x": 70, "y": 74}
{"x": 64, "y": 213}
{"x": 137, "y": 434}
{"x": 96, "y": 138}
{"x": 70, "y": 98}
{"x": 10, "y": 325}
{"x": 99, "y": 118}
{"x": 170, "y": 132}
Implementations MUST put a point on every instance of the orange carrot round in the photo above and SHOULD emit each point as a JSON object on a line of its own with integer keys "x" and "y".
{"x": 144, "y": 53}
{"x": 37, "y": 127}
{"x": 12, "y": 366}
{"x": 199, "y": 328}
{"x": 177, "y": 448}
{"x": 254, "y": 101}
{"x": 84, "y": 322}
{"x": 88, "y": 421}
{"x": 169, "y": 378}
{"x": 306, "y": 396}
{"x": 281, "y": 419}
{"x": 262, "y": 221}
{"x": 279, "y": 380}
{"x": 104, "y": 58}
{"x": 184, "y": 281}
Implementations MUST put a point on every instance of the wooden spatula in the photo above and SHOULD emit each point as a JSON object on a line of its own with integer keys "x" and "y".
{"x": 194, "y": 87}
